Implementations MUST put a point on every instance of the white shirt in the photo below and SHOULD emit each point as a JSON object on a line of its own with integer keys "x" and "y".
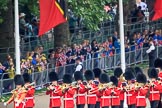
{"x": 143, "y": 5}
{"x": 79, "y": 67}
{"x": 152, "y": 47}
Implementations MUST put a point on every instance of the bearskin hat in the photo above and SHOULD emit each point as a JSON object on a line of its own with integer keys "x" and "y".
{"x": 53, "y": 76}
{"x": 97, "y": 72}
{"x": 89, "y": 75}
{"x": 118, "y": 72}
{"x": 158, "y": 63}
{"x": 137, "y": 70}
{"x": 129, "y": 75}
{"x": 27, "y": 78}
{"x": 152, "y": 73}
{"x": 67, "y": 78}
{"x": 130, "y": 69}
{"x": 104, "y": 78}
{"x": 141, "y": 78}
{"x": 114, "y": 79}
{"x": 18, "y": 79}
{"x": 78, "y": 76}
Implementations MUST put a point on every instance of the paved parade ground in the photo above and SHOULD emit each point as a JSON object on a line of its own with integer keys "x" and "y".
{"x": 42, "y": 101}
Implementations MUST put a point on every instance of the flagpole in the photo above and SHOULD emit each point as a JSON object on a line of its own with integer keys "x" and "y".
{"x": 122, "y": 46}
{"x": 17, "y": 38}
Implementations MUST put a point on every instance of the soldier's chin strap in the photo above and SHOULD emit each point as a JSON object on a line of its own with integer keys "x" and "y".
{"x": 125, "y": 100}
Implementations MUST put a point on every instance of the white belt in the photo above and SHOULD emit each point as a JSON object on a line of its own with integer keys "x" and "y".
{"x": 154, "y": 92}
{"x": 55, "y": 97}
{"x": 115, "y": 96}
{"x": 17, "y": 104}
{"x": 129, "y": 94}
{"x": 29, "y": 98}
{"x": 92, "y": 95}
{"x": 106, "y": 97}
{"x": 140, "y": 97}
{"x": 80, "y": 94}
{"x": 68, "y": 99}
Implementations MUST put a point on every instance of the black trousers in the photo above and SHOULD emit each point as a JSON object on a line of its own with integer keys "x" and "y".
{"x": 132, "y": 106}
{"x": 97, "y": 105}
{"x": 91, "y": 105}
{"x": 160, "y": 102}
{"x": 141, "y": 107}
{"x": 114, "y": 106}
{"x": 105, "y": 107}
{"x": 80, "y": 106}
{"x": 154, "y": 104}
{"x": 151, "y": 61}
{"x": 121, "y": 104}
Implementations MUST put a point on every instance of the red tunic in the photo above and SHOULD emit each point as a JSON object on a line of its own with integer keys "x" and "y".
{"x": 115, "y": 96}
{"x": 68, "y": 98}
{"x": 154, "y": 91}
{"x": 19, "y": 96}
{"x": 160, "y": 76}
{"x": 106, "y": 98}
{"x": 91, "y": 94}
{"x": 29, "y": 99}
{"x": 141, "y": 97}
{"x": 55, "y": 97}
{"x": 80, "y": 95}
{"x": 121, "y": 92}
{"x": 131, "y": 96}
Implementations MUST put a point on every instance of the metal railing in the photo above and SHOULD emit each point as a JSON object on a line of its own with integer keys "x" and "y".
{"x": 104, "y": 62}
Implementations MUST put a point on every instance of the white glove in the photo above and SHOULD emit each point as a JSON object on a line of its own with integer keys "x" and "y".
{"x": 17, "y": 104}
{"x": 5, "y": 104}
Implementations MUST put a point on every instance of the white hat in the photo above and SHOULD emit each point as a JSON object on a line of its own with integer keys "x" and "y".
{"x": 22, "y": 14}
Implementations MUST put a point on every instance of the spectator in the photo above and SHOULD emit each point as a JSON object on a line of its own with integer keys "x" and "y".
{"x": 140, "y": 15}
{"x": 134, "y": 14}
{"x": 22, "y": 24}
{"x": 142, "y": 4}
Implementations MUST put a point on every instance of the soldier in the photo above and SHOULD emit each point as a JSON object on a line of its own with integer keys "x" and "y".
{"x": 54, "y": 90}
{"x": 18, "y": 94}
{"x": 141, "y": 90}
{"x": 137, "y": 70}
{"x": 155, "y": 87}
{"x": 81, "y": 90}
{"x": 115, "y": 92}
{"x": 119, "y": 74}
{"x": 92, "y": 89}
{"x": 158, "y": 66}
{"x": 97, "y": 72}
{"x": 130, "y": 88}
{"x": 29, "y": 99}
{"x": 68, "y": 91}
{"x": 105, "y": 91}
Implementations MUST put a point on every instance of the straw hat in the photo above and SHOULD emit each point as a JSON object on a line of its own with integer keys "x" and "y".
{"x": 22, "y": 14}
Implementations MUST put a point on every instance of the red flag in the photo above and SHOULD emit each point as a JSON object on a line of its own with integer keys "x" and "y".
{"x": 158, "y": 10}
{"x": 51, "y": 15}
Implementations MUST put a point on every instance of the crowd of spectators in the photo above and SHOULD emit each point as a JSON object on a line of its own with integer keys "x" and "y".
{"x": 36, "y": 61}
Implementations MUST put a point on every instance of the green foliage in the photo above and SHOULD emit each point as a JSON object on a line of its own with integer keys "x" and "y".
{"x": 3, "y": 7}
{"x": 32, "y": 6}
{"x": 92, "y": 11}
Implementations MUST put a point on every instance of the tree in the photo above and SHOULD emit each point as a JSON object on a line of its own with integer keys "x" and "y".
{"x": 91, "y": 11}
{"x": 3, "y": 7}
{"x": 6, "y": 23}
